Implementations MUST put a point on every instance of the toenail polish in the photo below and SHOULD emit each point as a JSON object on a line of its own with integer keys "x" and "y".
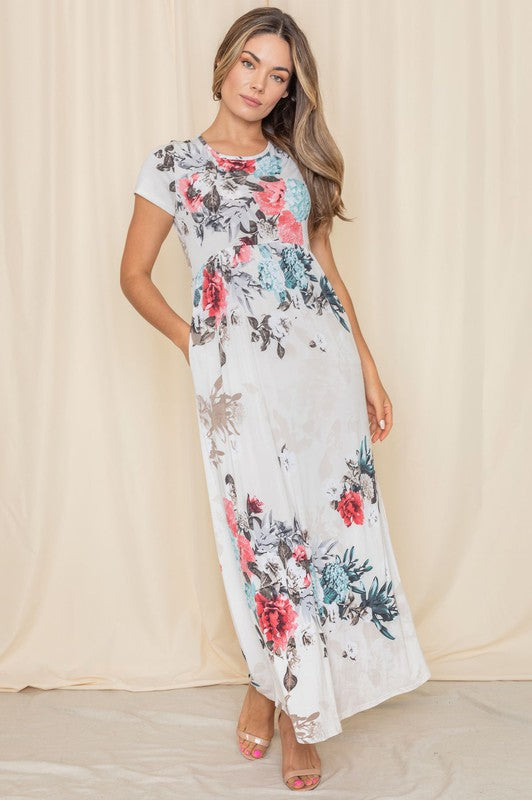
{"x": 299, "y": 782}
{"x": 257, "y": 753}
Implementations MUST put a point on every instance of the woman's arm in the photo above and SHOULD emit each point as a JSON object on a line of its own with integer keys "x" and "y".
{"x": 148, "y": 229}
{"x": 379, "y": 404}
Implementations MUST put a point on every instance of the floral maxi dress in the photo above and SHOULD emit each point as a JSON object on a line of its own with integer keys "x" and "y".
{"x": 311, "y": 579}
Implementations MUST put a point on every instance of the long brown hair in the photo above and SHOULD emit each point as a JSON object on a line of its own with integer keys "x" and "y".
{"x": 296, "y": 123}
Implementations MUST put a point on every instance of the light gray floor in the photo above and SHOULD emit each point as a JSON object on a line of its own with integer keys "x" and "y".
{"x": 456, "y": 740}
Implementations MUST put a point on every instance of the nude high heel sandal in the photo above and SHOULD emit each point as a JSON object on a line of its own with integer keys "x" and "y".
{"x": 292, "y": 773}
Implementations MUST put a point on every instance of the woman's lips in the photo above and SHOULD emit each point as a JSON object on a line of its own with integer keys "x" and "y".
{"x": 250, "y": 101}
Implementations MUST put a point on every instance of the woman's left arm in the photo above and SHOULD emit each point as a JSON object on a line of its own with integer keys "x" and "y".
{"x": 378, "y": 403}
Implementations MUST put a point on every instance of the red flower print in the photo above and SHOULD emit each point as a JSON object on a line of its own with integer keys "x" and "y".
{"x": 300, "y": 554}
{"x": 306, "y": 582}
{"x": 191, "y": 195}
{"x": 271, "y": 199}
{"x": 254, "y": 505}
{"x": 230, "y": 165}
{"x": 277, "y": 619}
{"x": 242, "y": 254}
{"x": 214, "y": 293}
{"x": 230, "y": 515}
{"x": 351, "y": 508}
{"x": 246, "y": 553}
{"x": 290, "y": 229}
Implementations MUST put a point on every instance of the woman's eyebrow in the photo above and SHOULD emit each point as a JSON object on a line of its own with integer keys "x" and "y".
{"x": 258, "y": 60}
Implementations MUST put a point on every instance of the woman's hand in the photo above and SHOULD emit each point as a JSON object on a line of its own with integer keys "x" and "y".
{"x": 379, "y": 408}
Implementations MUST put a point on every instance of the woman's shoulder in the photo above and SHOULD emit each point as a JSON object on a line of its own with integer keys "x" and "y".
{"x": 163, "y": 166}
{"x": 185, "y": 153}
{"x": 172, "y": 148}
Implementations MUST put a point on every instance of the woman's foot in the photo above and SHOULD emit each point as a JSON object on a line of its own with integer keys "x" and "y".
{"x": 256, "y": 718}
{"x": 297, "y": 755}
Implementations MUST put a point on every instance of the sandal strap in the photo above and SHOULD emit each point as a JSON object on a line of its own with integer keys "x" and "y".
{"x": 250, "y": 738}
{"x": 293, "y": 772}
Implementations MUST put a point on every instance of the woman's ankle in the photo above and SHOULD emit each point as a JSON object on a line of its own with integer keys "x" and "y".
{"x": 263, "y": 697}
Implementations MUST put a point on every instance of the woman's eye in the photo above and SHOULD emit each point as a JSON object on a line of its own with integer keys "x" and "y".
{"x": 277, "y": 77}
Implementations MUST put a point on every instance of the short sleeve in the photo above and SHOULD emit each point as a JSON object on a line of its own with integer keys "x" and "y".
{"x": 156, "y": 179}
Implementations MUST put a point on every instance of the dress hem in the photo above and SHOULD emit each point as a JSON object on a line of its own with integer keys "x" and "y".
{"x": 364, "y": 706}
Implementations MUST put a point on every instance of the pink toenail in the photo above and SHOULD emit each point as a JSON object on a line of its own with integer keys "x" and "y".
{"x": 299, "y": 782}
{"x": 257, "y": 753}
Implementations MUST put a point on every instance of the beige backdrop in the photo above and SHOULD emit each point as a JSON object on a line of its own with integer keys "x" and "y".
{"x": 109, "y": 572}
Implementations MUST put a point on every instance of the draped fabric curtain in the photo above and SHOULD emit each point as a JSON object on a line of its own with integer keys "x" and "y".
{"x": 110, "y": 577}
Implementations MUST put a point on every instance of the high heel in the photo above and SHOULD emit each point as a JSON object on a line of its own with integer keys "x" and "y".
{"x": 292, "y": 773}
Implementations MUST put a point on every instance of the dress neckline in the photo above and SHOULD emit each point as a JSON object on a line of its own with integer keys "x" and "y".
{"x": 231, "y": 157}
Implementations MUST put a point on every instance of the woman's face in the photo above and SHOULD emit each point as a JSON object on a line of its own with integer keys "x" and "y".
{"x": 262, "y": 73}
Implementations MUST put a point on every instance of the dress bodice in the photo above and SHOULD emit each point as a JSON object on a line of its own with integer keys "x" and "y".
{"x": 226, "y": 203}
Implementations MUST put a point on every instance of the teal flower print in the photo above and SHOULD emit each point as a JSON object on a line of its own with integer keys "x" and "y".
{"x": 335, "y": 583}
{"x": 250, "y": 595}
{"x": 297, "y": 198}
{"x": 294, "y": 263}
{"x": 268, "y": 166}
{"x": 234, "y": 546}
{"x": 271, "y": 276}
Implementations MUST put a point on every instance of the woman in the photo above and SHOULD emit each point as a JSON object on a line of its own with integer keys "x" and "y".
{"x": 289, "y": 401}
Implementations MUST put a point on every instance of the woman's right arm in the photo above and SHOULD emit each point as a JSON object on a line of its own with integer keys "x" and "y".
{"x": 148, "y": 229}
